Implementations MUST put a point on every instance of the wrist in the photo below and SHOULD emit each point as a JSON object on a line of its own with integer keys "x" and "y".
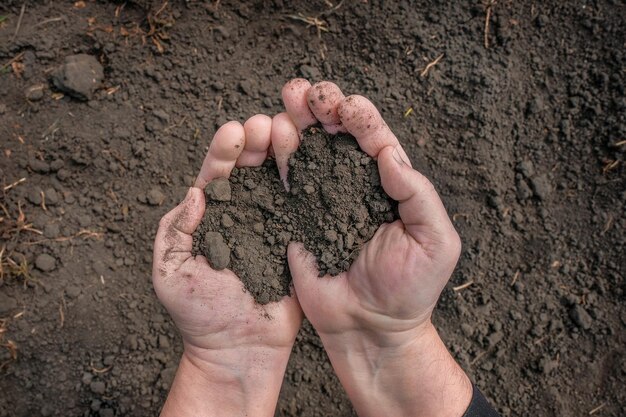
{"x": 228, "y": 382}
{"x": 409, "y": 373}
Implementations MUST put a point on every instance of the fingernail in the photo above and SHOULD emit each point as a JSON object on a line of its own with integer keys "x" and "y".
{"x": 396, "y": 155}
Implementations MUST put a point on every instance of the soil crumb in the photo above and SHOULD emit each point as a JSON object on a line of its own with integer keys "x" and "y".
{"x": 335, "y": 205}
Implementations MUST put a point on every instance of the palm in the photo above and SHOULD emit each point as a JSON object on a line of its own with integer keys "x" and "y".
{"x": 211, "y": 307}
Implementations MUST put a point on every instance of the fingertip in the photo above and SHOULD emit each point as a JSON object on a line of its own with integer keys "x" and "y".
{"x": 227, "y": 145}
{"x": 362, "y": 120}
{"x": 294, "y": 95}
{"x": 228, "y": 142}
{"x": 258, "y": 129}
{"x": 324, "y": 99}
{"x": 285, "y": 141}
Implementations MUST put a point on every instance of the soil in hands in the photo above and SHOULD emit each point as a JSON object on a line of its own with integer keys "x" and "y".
{"x": 334, "y": 206}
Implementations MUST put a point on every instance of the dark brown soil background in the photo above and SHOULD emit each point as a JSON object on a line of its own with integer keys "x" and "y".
{"x": 524, "y": 140}
{"x": 335, "y": 204}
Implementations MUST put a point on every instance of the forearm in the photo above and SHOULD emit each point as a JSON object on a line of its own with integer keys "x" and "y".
{"x": 418, "y": 378}
{"x": 227, "y": 384}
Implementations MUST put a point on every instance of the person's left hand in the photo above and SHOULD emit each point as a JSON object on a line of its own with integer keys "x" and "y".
{"x": 227, "y": 336}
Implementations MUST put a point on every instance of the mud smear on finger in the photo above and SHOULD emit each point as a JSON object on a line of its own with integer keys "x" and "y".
{"x": 335, "y": 206}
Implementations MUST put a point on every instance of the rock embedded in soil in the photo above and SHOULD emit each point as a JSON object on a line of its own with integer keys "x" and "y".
{"x": 45, "y": 262}
{"x": 216, "y": 251}
{"x": 335, "y": 205}
{"x": 218, "y": 190}
{"x": 79, "y": 76}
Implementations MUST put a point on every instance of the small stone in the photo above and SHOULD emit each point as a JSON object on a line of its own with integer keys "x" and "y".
{"x": 218, "y": 190}
{"x": 155, "y": 197}
{"x": 309, "y": 189}
{"x": 79, "y": 76}
{"x": 45, "y": 262}
{"x": 526, "y": 168}
{"x": 227, "y": 221}
{"x": 541, "y": 186}
{"x": 52, "y": 197}
{"x": 34, "y": 196}
{"x": 164, "y": 342}
{"x": 97, "y": 387}
{"x": 35, "y": 92}
{"x": 580, "y": 317}
{"x": 217, "y": 251}
{"x": 86, "y": 378}
{"x": 72, "y": 291}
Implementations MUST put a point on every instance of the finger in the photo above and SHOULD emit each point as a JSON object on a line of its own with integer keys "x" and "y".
{"x": 225, "y": 148}
{"x": 421, "y": 210}
{"x": 323, "y": 99}
{"x": 295, "y": 98}
{"x": 285, "y": 141}
{"x": 258, "y": 131}
{"x": 363, "y": 121}
{"x": 173, "y": 242}
{"x": 311, "y": 290}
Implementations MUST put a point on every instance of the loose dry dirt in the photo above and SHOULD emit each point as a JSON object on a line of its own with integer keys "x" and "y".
{"x": 335, "y": 204}
{"x": 523, "y": 137}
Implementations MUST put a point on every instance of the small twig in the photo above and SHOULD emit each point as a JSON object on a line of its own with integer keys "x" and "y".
{"x": 430, "y": 65}
{"x": 19, "y": 22}
{"x": 462, "y": 286}
{"x": 12, "y": 60}
{"x": 515, "y": 277}
{"x": 51, "y": 20}
{"x": 488, "y": 21}
{"x": 598, "y": 408}
{"x": 8, "y": 187}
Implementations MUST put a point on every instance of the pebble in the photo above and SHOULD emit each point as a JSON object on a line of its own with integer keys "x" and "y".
{"x": 34, "y": 196}
{"x": 45, "y": 262}
{"x": 217, "y": 251}
{"x": 580, "y": 317}
{"x": 52, "y": 197}
{"x": 526, "y": 168}
{"x": 79, "y": 76}
{"x": 155, "y": 197}
{"x": 541, "y": 186}
{"x": 227, "y": 221}
{"x": 35, "y": 92}
{"x": 309, "y": 189}
{"x": 164, "y": 342}
{"x": 218, "y": 190}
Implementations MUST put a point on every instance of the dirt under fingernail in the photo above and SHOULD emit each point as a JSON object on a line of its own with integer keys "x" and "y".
{"x": 335, "y": 205}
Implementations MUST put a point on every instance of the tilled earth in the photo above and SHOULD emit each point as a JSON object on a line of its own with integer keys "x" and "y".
{"x": 520, "y": 124}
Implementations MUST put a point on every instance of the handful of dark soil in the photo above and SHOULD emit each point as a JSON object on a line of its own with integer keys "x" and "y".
{"x": 335, "y": 205}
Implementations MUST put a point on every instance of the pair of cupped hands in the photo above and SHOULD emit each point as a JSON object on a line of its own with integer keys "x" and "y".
{"x": 374, "y": 320}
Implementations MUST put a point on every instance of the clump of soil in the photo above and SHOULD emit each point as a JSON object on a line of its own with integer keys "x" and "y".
{"x": 335, "y": 205}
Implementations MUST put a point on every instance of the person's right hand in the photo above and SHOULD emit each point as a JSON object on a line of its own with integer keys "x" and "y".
{"x": 375, "y": 319}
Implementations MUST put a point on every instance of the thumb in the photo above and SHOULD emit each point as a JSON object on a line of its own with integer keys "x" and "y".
{"x": 173, "y": 242}
{"x": 421, "y": 210}
{"x": 303, "y": 268}
{"x": 318, "y": 297}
